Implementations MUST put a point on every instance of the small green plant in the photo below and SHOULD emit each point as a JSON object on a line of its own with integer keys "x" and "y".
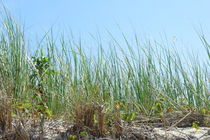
{"x": 25, "y": 107}
{"x": 42, "y": 109}
{"x": 40, "y": 72}
{"x": 195, "y": 125}
{"x": 38, "y": 78}
{"x": 128, "y": 116}
{"x": 83, "y": 134}
{"x": 205, "y": 111}
{"x": 159, "y": 106}
{"x": 72, "y": 137}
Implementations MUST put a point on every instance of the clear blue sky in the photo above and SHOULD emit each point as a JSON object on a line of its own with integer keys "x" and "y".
{"x": 180, "y": 18}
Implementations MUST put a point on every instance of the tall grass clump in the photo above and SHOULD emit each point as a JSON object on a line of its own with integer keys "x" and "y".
{"x": 60, "y": 75}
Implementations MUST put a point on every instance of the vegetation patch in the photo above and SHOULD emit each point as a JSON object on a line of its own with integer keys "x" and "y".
{"x": 126, "y": 92}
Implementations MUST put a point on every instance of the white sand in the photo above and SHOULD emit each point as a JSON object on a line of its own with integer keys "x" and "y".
{"x": 202, "y": 133}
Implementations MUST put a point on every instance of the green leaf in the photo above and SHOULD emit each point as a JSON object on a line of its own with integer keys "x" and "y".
{"x": 195, "y": 125}
{"x": 83, "y": 133}
{"x": 132, "y": 116}
{"x": 72, "y": 137}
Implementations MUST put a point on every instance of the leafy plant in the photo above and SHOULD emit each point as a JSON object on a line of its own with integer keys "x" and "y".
{"x": 72, "y": 137}
{"x": 195, "y": 125}
{"x": 129, "y": 116}
{"x": 83, "y": 133}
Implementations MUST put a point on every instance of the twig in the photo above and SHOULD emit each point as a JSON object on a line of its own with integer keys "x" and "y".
{"x": 180, "y": 120}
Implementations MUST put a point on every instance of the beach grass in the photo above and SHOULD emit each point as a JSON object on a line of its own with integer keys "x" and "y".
{"x": 148, "y": 78}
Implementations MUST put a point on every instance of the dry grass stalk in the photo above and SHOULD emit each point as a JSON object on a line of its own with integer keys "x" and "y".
{"x": 118, "y": 129}
{"x": 101, "y": 119}
{"x": 5, "y": 115}
{"x": 89, "y": 112}
{"x": 85, "y": 115}
{"x": 18, "y": 134}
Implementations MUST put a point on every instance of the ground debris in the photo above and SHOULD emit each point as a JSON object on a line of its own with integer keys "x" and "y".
{"x": 177, "y": 126}
{"x": 178, "y": 119}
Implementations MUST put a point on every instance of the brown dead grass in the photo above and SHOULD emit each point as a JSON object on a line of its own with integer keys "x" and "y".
{"x": 5, "y": 115}
{"x": 8, "y": 130}
{"x": 90, "y": 118}
{"x": 84, "y": 115}
{"x": 118, "y": 128}
{"x": 18, "y": 134}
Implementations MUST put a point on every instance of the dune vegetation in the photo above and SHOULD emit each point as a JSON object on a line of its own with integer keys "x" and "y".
{"x": 61, "y": 79}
